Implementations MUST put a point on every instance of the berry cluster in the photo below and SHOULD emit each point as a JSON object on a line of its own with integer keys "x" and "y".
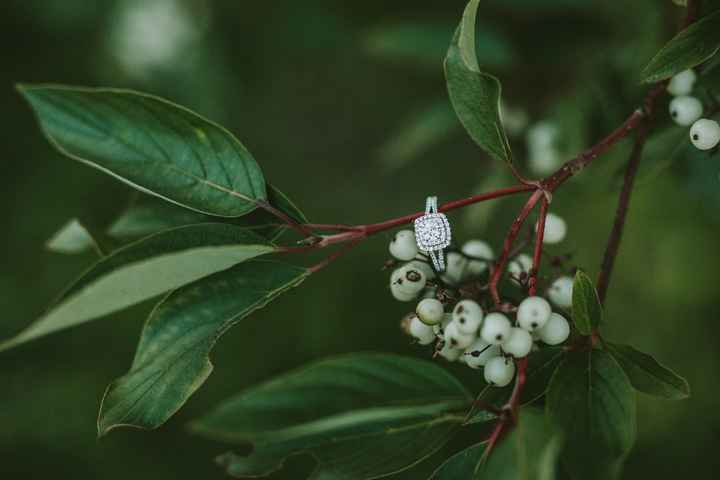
{"x": 448, "y": 315}
{"x": 687, "y": 111}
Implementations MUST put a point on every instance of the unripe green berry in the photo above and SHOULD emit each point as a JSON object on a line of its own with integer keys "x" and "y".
{"x": 533, "y": 313}
{"x": 499, "y": 371}
{"x": 430, "y": 311}
{"x": 403, "y": 245}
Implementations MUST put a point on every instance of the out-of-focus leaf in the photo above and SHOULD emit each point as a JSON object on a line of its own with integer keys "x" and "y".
{"x": 647, "y": 375}
{"x": 462, "y": 465}
{"x": 475, "y": 95}
{"x": 72, "y": 238}
{"x": 592, "y": 403}
{"x": 360, "y": 416}
{"x": 586, "y": 308}
{"x": 661, "y": 151}
{"x": 689, "y": 48}
{"x": 478, "y": 216}
{"x": 425, "y": 43}
{"x": 146, "y": 269}
{"x": 172, "y": 361}
{"x": 530, "y": 452}
{"x": 419, "y": 132}
{"x": 542, "y": 365}
{"x": 151, "y": 144}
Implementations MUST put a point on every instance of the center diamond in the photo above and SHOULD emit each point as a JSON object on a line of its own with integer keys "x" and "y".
{"x": 432, "y": 232}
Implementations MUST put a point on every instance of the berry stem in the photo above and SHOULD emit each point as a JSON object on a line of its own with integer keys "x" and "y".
{"x": 508, "y": 243}
{"x": 613, "y": 243}
{"x": 537, "y": 254}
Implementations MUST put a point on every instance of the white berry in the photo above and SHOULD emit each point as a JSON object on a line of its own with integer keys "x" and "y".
{"x": 499, "y": 371}
{"x": 403, "y": 245}
{"x": 455, "y": 268}
{"x": 450, "y": 353}
{"x": 705, "y": 134}
{"x": 430, "y": 311}
{"x": 495, "y": 329}
{"x": 521, "y": 264}
{"x": 423, "y": 266}
{"x": 468, "y": 315}
{"x": 533, "y": 313}
{"x": 439, "y": 328}
{"x": 423, "y": 333}
{"x": 555, "y": 331}
{"x": 478, "y": 354}
{"x": 560, "y": 292}
{"x": 544, "y": 160}
{"x": 518, "y": 344}
{"x": 481, "y": 255}
{"x": 457, "y": 339}
{"x": 685, "y": 110}
{"x": 406, "y": 283}
{"x": 682, "y": 83}
{"x": 541, "y": 136}
{"x": 555, "y": 229}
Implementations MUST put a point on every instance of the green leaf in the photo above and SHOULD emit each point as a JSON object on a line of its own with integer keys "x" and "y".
{"x": 540, "y": 370}
{"x": 146, "y": 269}
{"x": 151, "y": 215}
{"x": 462, "y": 465}
{"x": 586, "y": 308}
{"x": 418, "y": 133}
{"x": 171, "y": 361}
{"x": 73, "y": 238}
{"x": 151, "y": 144}
{"x": 647, "y": 375}
{"x": 689, "y": 48}
{"x": 475, "y": 95}
{"x": 592, "y": 403}
{"x": 361, "y": 416}
{"x": 530, "y": 452}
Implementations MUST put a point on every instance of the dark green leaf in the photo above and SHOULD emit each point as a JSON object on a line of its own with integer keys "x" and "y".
{"x": 687, "y": 49}
{"x": 530, "y": 452}
{"x": 647, "y": 375}
{"x": 592, "y": 403}
{"x": 475, "y": 95}
{"x": 172, "y": 357}
{"x": 151, "y": 144}
{"x": 72, "y": 238}
{"x": 586, "y": 309}
{"x": 541, "y": 367}
{"x": 146, "y": 269}
{"x": 361, "y": 416}
{"x": 460, "y": 466}
{"x": 150, "y": 215}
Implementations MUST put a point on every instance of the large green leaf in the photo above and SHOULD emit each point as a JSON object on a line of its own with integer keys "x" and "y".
{"x": 146, "y": 269}
{"x": 361, "y": 416}
{"x": 150, "y": 215}
{"x": 154, "y": 145}
{"x": 647, "y": 375}
{"x": 586, "y": 307}
{"x": 172, "y": 357}
{"x": 591, "y": 401}
{"x": 689, "y": 48}
{"x": 541, "y": 368}
{"x": 529, "y": 452}
{"x": 475, "y": 95}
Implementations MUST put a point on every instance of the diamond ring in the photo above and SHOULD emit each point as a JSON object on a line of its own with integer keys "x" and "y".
{"x": 432, "y": 233}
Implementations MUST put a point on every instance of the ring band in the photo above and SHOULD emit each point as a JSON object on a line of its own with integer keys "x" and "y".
{"x": 432, "y": 233}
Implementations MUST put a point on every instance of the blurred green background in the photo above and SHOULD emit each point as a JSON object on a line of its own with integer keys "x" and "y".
{"x": 343, "y": 104}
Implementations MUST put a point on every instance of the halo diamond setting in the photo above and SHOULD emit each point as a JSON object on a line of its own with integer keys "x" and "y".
{"x": 432, "y": 233}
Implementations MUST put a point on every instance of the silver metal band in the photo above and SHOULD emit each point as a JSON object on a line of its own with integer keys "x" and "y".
{"x": 431, "y": 205}
{"x": 438, "y": 259}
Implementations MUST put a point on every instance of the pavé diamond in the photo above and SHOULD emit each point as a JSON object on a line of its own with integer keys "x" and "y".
{"x": 432, "y": 233}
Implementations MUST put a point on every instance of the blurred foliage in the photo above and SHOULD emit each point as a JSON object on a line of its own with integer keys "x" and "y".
{"x": 306, "y": 89}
